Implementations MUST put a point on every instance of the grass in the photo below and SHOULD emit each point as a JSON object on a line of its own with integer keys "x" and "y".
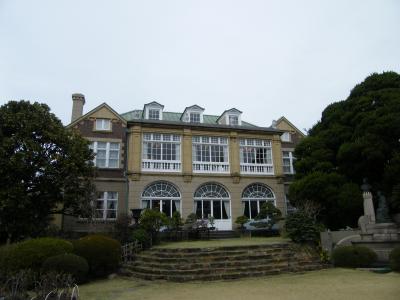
{"x": 223, "y": 243}
{"x": 324, "y": 284}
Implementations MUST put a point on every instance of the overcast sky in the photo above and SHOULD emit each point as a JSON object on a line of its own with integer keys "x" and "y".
{"x": 266, "y": 58}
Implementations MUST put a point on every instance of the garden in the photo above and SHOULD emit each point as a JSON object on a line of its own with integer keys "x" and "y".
{"x": 59, "y": 268}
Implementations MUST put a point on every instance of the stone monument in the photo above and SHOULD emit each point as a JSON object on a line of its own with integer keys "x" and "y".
{"x": 378, "y": 234}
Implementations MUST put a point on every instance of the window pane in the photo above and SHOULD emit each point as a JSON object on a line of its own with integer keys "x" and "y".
{"x": 111, "y": 214}
{"x": 217, "y": 209}
{"x": 246, "y": 209}
{"x": 101, "y": 145}
{"x": 253, "y": 209}
{"x": 198, "y": 209}
{"x": 166, "y": 207}
{"x": 225, "y": 210}
{"x": 111, "y": 204}
{"x": 155, "y": 204}
{"x": 146, "y": 204}
{"x": 206, "y": 208}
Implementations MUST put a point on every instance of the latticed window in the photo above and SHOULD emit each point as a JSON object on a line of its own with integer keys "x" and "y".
{"x": 288, "y": 160}
{"x": 256, "y": 156}
{"x": 212, "y": 199}
{"x": 233, "y": 120}
{"x": 154, "y": 114}
{"x": 106, "y": 205}
{"x": 194, "y": 118}
{"x": 210, "y": 149}
{"x": 106, "y": 154}
{"x": 158, "y": 146}
{"x": 163, "y": 196}
{"x": 253, "y": 198}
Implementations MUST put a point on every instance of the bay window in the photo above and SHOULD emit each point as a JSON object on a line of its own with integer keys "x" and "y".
{"x": 210, "y": 154}
{"x": 256, "y": 156}
{"x": 161, "y": 152}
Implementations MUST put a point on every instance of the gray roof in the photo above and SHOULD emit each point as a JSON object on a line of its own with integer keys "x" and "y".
{"x": 136, "y": 115}
{"x": 209, "y": 121}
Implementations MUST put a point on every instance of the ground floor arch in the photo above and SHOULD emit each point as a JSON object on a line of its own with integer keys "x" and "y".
{"x": 161, "y": 195}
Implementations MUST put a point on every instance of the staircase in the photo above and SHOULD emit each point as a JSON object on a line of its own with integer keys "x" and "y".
{"x": 186, "y": 264}
{"x": 221, "y": 234}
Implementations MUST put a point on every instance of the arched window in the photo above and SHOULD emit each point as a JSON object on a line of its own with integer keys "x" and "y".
{"x": 254, "y": 196}
{"x": 212, "y": 199}
{"x": 162, "y": 195}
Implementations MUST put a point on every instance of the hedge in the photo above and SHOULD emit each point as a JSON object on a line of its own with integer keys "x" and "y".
{"x": 394, "y": 258}
{"x": 353, "y": 257}
{"x": 68, "y": 263}
{"x": 102, "y": 253}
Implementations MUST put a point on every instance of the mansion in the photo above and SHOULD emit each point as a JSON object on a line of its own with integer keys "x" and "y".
{"x": 191, "y": 162}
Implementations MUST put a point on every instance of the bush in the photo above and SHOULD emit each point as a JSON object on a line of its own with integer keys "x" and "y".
{"x": 241, "y": 220}
{"x": 31, "y": 254}
{"x": 353, "y": 257}
{"x": 102, "y": 253}
{"x": 142, "y": 237}
{"x": 68, "y": 264}
{"x": 122, "y": 229}
{"x": 394, "y": 259}
{"x": 301, "y": 228}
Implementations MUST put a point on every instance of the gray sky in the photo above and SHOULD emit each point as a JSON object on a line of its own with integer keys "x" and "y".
{"x": 266, "y": 58}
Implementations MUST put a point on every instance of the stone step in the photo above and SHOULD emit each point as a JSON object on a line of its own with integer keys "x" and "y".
{"x": 271, "y": 246}
{"x": 283, "y": 266}
{"x": 205, "y": 265}
{"x": 254, "y": 256}
{"x": 221, "y": 276}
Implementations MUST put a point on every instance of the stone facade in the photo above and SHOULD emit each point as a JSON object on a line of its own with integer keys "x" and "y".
{"x": 130, "y": 179}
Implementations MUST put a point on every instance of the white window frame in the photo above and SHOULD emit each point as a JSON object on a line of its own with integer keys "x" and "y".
{"x": 213, "y": 192}
{"x": 105, "y": 201}
{"x": 95, "y": 148}
{"x": 286, "y": 137}
{"x": 206, "y": 144}
{"x": 194, "y": 117}
{"x": 162, "y": 164}
{"x": 154, "y": 110}
{"x": 289, "y": 158}
{"x": 259, "y": 193}
{"x": 236, "y": 117}
{"x": 161, "y": 191}
{"x": 255, "y": 147}
{"x": 103, "y": 124}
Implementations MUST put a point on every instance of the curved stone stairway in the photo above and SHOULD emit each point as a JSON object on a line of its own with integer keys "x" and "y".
{"x": 185, "y": 264}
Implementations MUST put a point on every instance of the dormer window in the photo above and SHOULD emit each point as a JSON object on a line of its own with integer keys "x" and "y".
{"x": 194, "y": 117}
{"x": 103, "y": 124}
{"x": 230, "y": 117}
{"x": 154, "y": 114}
{"x": 233, "y": 120}
{"x": 193, "y": 114}
{"x": 153, "y": 111}
{"x": 286, "y": 137}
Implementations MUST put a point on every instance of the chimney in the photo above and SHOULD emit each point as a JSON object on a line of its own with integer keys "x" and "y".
{"x": 78, "y": 100}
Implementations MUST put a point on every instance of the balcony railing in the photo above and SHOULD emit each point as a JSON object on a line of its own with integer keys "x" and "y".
{"x": 256, "y": 169}
{"x": 211, "y": 167}
{"x": 161, "y": 166}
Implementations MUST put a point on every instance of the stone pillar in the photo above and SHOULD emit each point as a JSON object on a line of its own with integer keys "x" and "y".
{"x": 78, "y": 100}
{"x": 187, "y": 153}
{"x": 277, "y": 155}
{"x": 369, "y": 211}
{"x": 135, "y": 150}
{"x": 234, "y": 157}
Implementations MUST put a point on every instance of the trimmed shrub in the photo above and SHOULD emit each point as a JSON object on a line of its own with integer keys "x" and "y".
{"x": 31, "y": 254}
{"x": 102, "y": 253}
{"x": 353, "y": 257}
{"x": 301, "y": 228}
{"x": 394, "y": 259}
{"x": 68, "y": 263}
{"x": 142, "y": 237}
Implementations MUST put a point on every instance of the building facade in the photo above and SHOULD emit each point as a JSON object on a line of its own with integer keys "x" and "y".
{"x": 190, "y": 162}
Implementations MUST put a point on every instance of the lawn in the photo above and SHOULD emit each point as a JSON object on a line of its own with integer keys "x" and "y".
{"x": 324, "y": 284}
{"x": 223, "y": 243}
